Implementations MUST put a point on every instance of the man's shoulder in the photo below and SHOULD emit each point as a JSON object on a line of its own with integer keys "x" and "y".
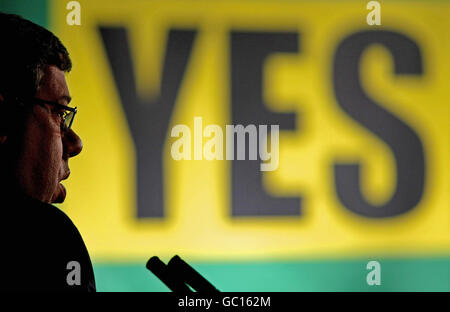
{"x": 28, "y": 221}
{"x": 42, "y": 239}
{"x": 47, "y": 213}
{"x": 28, "y": 215}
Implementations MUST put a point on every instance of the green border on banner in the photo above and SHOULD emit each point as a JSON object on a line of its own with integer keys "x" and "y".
{"x": 408, "y": 274}
{"x": 35, "y": 10}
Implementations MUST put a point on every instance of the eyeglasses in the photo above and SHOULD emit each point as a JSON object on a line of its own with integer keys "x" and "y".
{"x": 68, "y": 115}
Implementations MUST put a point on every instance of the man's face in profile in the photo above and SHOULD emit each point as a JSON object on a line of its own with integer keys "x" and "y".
{"x": 45, "y": 148}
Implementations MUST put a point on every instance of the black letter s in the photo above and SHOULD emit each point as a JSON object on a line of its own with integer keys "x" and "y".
{"x": 404, "y": 142}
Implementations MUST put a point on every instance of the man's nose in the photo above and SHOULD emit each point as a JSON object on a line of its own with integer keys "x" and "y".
{"x": 72, "y": 143}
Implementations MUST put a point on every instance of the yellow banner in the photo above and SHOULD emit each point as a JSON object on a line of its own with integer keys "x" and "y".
{"x": 353, "y": 100}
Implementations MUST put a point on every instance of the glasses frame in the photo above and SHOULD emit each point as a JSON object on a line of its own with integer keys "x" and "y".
{"x": 72, "y": 110}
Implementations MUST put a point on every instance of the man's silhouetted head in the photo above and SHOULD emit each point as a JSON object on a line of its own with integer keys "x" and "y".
{"x": 35, "y": 140}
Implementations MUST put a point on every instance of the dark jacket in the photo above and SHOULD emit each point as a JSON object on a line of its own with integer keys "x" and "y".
{"x": 39, "y": 245}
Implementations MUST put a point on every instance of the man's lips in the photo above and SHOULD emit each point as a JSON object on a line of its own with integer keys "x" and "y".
{"x": 60, "y": 194}
{"x": 66, "y": 175}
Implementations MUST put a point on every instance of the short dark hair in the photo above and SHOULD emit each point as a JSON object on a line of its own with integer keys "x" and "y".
{"x": 25, "y": 50}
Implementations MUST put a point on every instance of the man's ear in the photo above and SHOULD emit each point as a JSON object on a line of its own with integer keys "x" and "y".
{"x": 2, "y": 135}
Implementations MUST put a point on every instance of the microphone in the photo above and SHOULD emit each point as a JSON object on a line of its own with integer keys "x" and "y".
{"x": 177, "y": 273}
{"x": 190, "y": 276}
{"x": 159, "y": 268}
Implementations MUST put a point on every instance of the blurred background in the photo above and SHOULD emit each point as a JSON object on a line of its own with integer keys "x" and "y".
{"x": 363, "y": 167}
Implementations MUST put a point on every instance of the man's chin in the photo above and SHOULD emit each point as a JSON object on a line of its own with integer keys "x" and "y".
{"x": 60, "y": 195}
